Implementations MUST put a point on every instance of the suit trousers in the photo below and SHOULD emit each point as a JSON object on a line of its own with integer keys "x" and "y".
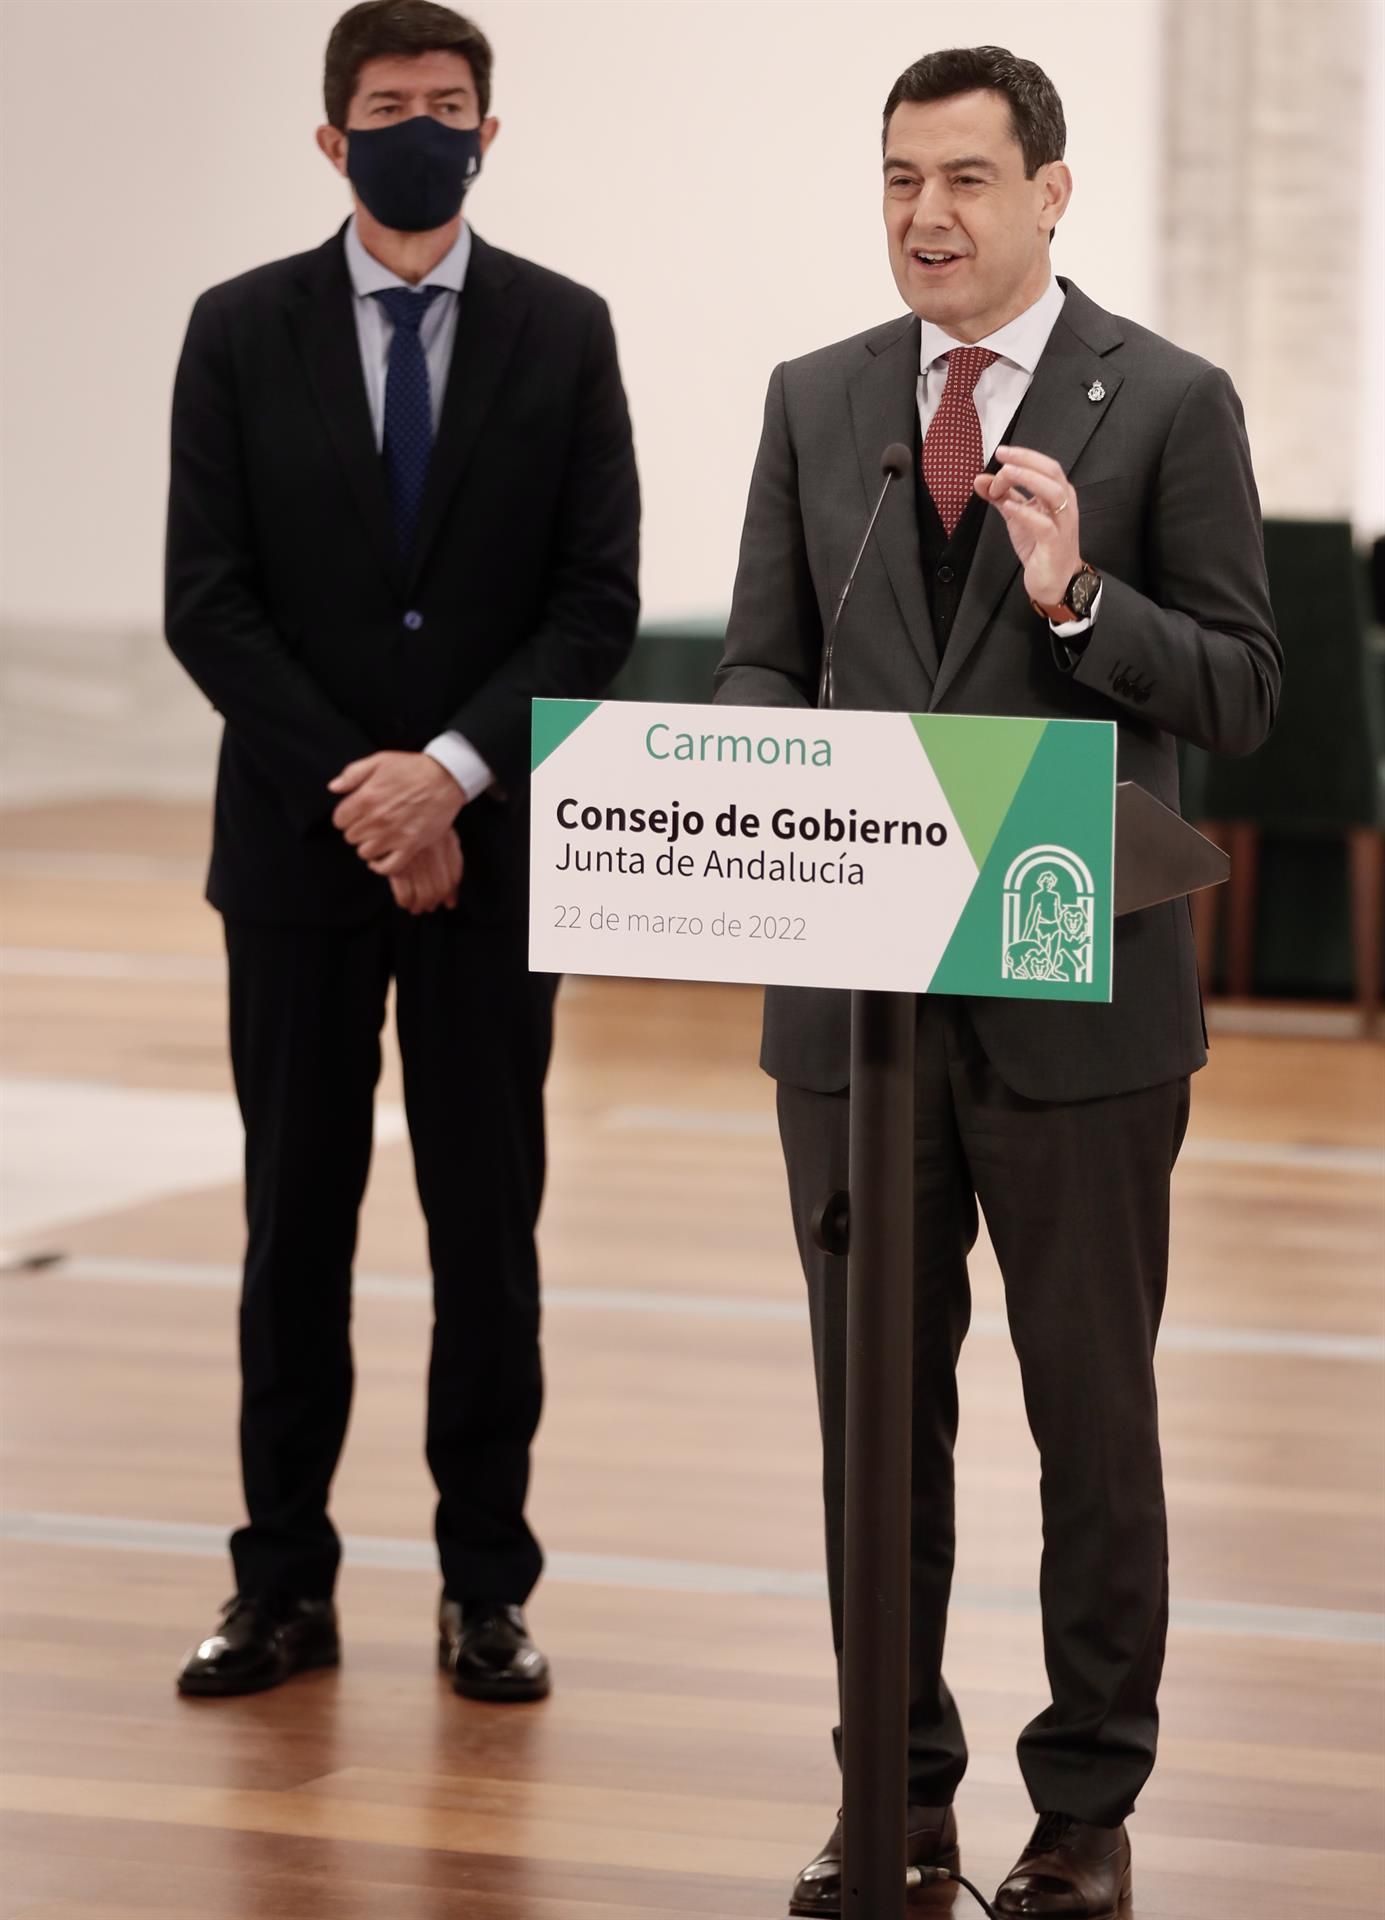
{"x": 1076, "y": 1201}
{"x": 475, "y": 1029}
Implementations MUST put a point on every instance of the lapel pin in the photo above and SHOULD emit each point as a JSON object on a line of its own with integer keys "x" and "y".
{"x": 1096, "y": 391}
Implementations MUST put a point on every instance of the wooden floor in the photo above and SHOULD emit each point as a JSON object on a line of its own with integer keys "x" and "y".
{"x": 682, "y": 1766}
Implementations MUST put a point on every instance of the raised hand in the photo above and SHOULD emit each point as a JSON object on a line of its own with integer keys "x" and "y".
{"x": 1039, "y": 506}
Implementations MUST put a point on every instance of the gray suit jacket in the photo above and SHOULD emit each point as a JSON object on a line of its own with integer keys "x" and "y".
{"x": 1184, "y": 645}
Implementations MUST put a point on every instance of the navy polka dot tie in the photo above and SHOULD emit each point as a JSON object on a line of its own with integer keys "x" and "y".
{"x": 408, "y": 408}
{"x": 952, "y": 448}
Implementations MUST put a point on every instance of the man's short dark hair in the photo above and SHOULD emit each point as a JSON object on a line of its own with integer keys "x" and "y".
{"x": 1036, "y": 112}
{"x": 379, "y": 28}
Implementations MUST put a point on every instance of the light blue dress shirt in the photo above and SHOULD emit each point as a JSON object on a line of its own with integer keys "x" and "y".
{"x": 438, "y": 332}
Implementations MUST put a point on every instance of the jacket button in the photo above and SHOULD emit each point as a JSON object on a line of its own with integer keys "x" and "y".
{"x": 413, "y": 620}
{"x": 946, "y": 575}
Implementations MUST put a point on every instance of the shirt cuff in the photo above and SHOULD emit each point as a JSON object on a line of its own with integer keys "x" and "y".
{"x": 1070, "y": 629}
{"x": 455, "y": 752}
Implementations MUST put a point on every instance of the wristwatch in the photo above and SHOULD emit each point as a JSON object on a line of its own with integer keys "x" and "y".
{"x": 1076, "y": 603}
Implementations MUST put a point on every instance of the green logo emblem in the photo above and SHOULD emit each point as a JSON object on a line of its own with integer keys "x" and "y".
{"x": 1048, "y": 917}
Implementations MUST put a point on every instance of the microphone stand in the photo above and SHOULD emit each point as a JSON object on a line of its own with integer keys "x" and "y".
{"x": 895, "y": 460}
{"x": 873, "y": 1224}
{"x": 879, "y": 1430}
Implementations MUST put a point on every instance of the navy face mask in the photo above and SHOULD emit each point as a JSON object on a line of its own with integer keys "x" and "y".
{"x": 414, "y": 175}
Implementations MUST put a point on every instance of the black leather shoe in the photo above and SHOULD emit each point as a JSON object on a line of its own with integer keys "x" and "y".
{"x": 485, "y": 1646}
{"x": 257, "y": 1646}
{"x": 1070, "y": 1871}
{"x": 932, "y": 1843}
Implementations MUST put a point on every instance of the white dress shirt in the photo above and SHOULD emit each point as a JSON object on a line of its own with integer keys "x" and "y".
{"x": 1019, "y": 344}
{"x": 437, "y": 333}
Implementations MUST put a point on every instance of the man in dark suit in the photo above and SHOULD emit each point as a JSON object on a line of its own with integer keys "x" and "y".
{"x": 403, "y": 502}
{"x": 1082, "y": 541}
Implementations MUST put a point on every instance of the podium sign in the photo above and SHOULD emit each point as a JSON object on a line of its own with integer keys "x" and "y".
{"x": 896, "y": 852}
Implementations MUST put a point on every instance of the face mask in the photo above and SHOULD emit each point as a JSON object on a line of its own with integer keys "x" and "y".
{"x": 413, "y": 176}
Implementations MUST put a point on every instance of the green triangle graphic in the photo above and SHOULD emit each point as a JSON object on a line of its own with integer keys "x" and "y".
{"x": 1064, "y": 807}
{"x": 980, "y": 762}
{"x": 555, "y": 721}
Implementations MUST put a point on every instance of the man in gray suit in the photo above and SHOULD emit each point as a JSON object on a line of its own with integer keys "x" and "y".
{"x": 1082, "y": 541}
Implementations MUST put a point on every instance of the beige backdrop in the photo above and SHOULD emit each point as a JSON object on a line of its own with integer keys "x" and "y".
{"x": 710, "y": 165}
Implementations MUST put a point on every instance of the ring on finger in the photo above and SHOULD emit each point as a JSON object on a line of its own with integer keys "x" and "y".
{"x": 1055, "y": 511}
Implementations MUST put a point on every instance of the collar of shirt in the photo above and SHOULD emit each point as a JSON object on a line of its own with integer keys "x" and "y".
{"x": 369, "y": 276}
{"x": 1021, "y": 341}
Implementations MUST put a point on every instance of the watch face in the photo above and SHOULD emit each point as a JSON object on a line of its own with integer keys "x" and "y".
{"x": 1081, "y": 594}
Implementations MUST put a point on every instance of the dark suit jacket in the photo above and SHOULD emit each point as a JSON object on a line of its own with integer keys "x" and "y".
{"x": 286, "y": 596}
{"x": 1184, "y": 645}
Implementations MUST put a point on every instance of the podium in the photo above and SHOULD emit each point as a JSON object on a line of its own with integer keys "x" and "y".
{"x": 888, "y": 854}
{"x": 1158, "y": 857}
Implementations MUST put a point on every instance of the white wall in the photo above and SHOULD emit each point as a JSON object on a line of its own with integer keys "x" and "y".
{"x": 712, "y": 166}
{"x": 1262, "y": 241}
{"x": 1370, "y": 409}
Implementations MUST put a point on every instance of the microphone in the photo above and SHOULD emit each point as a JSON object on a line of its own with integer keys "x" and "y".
{"x": 895, "y": 461}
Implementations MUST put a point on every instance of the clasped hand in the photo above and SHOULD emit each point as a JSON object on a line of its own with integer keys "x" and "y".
{"x": 397, "y": 812}
{"x": 1043, "y": 528}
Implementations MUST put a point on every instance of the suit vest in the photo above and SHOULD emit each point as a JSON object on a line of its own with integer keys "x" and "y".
{"x": 947, "y": 563}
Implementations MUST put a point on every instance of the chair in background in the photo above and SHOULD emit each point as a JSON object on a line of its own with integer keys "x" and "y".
{"x": 673, "y": 660}
{"x": 1322, "y": 772}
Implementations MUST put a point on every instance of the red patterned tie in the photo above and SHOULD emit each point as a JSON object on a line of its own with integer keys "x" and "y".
{"x": 952, "y": 450}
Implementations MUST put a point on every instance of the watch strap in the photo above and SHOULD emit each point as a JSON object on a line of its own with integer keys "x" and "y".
{"x": 1065, "y": 610}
